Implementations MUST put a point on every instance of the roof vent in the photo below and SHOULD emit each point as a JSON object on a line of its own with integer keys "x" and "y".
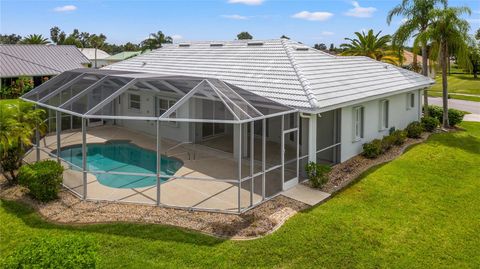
{"x": 216, "y": 45}
{"x": 301, "y": 48}
{"x": 184, "y": 45}
{"x": 255, "y": 43}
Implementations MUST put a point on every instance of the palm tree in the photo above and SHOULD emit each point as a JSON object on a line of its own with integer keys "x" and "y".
{"x": 448, "y": 33}
{"x": 371, "y": 45}
{"x": 155, "y": 41}
{"x": 96, "y": 41}
{"x": 417, "y": 15}
{"x": 35, "y": 39}
{"x": 17, "y": 125}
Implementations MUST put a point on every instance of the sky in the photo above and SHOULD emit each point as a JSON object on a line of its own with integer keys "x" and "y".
{"x": 307, "y": 21}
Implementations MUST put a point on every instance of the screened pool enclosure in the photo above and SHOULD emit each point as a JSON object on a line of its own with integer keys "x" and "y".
{"x": 174, "y": 141}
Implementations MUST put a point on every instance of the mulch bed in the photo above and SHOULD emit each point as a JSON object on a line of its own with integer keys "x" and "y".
{"x": 344, "y": 173}
{"x": 254, "y": 223}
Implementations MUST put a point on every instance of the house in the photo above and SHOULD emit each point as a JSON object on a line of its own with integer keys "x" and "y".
{"x": 232, "y": 122}
{"x": 121, "y": 56}
{"x": 96, "y": 56}
{"x": 38, "y": 61}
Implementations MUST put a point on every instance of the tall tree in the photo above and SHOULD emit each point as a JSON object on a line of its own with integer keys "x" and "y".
{"x": 320, "y": 46}
{"x": 371, "y": 45}
{"x": 332, "y": 47}
{"x": 10, "y": 39}
{"x": 35, "y": 39}
{"x": 448, "y": 32}
{"x": 417, "y": 15}
{"x": 244, "y": 35}
{"x": 155, "y": 41}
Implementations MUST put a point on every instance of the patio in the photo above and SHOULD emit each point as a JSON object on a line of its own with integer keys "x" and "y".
{"x": 208, "y": 163}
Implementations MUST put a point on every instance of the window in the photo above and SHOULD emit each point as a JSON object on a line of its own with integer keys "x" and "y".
{"x": 410, "y": 100}
{"x": 384, "y": 113}
{"x": 134, "y": 101}
{"x": 164, "y": 105}
{"x": 358, "y": 115}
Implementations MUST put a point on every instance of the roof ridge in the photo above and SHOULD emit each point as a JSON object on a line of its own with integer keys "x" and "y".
{"x": 312, "y": 99}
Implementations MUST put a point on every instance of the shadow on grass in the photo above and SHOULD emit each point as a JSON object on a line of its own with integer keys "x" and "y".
{"x": 134, "y": 230}
{"x": 467, "y": 142}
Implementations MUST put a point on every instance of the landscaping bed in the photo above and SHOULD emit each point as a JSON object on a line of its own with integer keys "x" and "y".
{"x": 259, "y": 221}
{"x": 345, "y": 173}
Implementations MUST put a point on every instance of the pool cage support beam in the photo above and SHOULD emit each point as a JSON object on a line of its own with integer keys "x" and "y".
{"x": 84, "y": 157}
{"x": 252, "y": 152}
{"x": 159, "y": 163}
{"x": 264, "y": 154}
{"x": 239, "y": 159}
{"x": 58, "y": 128}
{"x": 37, "y": 140}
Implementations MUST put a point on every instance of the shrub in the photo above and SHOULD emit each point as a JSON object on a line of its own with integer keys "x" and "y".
{"x": 317, "y": 174}
{"x": 54, "y": 252}
{"x": 387, "y": 142}
{"x": 43, "y": 179}
{"x": 430, "y": 123}
{"x": 373, "y": 149}
{"x": 436, "y": 112}
{"x": 414, "y": 129}
{"x": 455, "y": 116}
{"x": 398, "y": 137}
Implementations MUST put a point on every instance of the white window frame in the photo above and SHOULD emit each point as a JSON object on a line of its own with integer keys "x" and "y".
{"x": 410, "y": 100}
{"x": 358, "y": 120}
{"x": 384, "y": 115}
{"x": 139, "y": 102}
{"x": 170, "y": 103}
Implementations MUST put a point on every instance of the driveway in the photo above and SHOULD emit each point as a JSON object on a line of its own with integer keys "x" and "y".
{"x": 469, "y": 106}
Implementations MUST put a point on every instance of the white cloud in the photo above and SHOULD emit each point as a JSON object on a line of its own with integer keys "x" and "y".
{"x": 360, "y": 12}
{"x": 235, "y": 17}
{"x": 313, "y": 16}
{"x": 177, "y": 37}
{"x": 326, "y": 33}
{"x": 65, "y": 8}
{"x": 246, "y": 2}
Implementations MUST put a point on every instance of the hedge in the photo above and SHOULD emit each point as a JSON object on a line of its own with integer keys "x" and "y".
{"x": 43, "y": 179}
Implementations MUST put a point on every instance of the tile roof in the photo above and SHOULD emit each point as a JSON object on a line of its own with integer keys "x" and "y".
{"x": 282, "y": 70}
{"x": 90, "y": 53}
{"x": 39, "y": 60}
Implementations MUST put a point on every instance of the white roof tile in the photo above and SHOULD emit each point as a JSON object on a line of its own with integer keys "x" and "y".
{"x": 285, "y": 71}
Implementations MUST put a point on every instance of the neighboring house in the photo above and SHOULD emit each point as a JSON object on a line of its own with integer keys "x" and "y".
{"x": 121, "y": 56}
{"x": 39, "y": 61}
{"x": 97, "y": 62}
{"x": 243, "y": 117}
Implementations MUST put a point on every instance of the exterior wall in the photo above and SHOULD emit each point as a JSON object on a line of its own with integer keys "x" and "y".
{"x": 399, "y": 117}
{"x": 178, "y": 132}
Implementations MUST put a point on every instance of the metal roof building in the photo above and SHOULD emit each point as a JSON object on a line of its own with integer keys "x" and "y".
{"x": 39, "y": 60}
{"x": 282, "y": 70}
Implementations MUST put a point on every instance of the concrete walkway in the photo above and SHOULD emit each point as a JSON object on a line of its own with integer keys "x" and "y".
{"x": 469, "y": 106}
{"x": 306, "y": 194}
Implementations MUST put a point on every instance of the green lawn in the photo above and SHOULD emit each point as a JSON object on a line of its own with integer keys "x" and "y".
{"x": 455, "y": 96}
{"x": 419, "y": 211}
{"x": 458, "y": 83}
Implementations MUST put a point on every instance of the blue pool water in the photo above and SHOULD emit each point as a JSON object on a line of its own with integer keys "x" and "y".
{"x": 121, "y": 156}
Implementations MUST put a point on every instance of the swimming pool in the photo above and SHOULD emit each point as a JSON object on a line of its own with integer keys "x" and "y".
{"x": 121, "y": 156}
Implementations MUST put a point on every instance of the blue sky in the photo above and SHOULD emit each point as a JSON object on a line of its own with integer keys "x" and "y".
{"x": 307, "y": 21}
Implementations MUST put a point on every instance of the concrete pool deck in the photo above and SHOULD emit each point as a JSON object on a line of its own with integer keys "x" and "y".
{"x": 207, "y": 163}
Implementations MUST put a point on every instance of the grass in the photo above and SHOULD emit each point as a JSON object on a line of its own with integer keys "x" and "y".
{"x": 457, "y": 83}
{"x": 418, "y": 211}
{"x": 455, "y": 96}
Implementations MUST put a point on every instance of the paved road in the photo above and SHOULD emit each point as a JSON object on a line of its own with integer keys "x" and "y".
{"x": 469, "y": 106}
